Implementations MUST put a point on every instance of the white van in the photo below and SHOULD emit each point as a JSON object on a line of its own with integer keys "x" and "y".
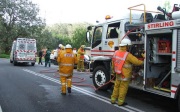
{"x": 23, "y": 51}
{"x": 53, "y": 56}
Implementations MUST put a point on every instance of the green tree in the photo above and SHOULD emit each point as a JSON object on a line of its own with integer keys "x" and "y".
{"x": 79, "y": 37}
{"x": 167, "y": 6}
{"x": 19, "y": 18}
{"x": 63, "y": 33}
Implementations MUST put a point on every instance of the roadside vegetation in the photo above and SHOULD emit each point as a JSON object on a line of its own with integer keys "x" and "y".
{"x": 20, "y": 18}
{"x": 4, "y": 56}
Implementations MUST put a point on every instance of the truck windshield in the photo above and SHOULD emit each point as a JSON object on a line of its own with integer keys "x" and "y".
{"x": 97, "y": 36}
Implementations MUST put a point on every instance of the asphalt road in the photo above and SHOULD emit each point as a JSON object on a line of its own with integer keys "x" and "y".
{"x": 26, "y": 88}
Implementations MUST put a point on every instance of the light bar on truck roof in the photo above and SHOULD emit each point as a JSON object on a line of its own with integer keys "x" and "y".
{"x": 108, "y": 17}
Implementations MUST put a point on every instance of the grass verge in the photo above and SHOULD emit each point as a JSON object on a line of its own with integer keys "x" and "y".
{"x": 4, "y": 56}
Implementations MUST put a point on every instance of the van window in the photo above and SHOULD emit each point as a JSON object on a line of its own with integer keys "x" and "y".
{"x": 21, "y": 46}
{"x": 31, "y": 46}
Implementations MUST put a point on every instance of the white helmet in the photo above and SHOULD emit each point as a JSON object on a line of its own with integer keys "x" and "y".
{"x": 125, "y": 42}
{"x": 60, "y": 45}
{"x": 68, "y": 46}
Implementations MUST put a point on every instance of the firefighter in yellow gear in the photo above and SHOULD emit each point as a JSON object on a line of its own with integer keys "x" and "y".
{"x": 60, "y": 50}
{"x": 80, "y": 58}
{"x": 66, "y": 60}
{"x": 122, "y": 67}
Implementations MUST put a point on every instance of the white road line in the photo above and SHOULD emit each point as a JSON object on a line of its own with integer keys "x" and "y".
{"x": 99, "y": 97}
{"x": 0, "y": 109}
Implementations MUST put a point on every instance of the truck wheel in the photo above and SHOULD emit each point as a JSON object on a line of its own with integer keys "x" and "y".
{"x": 11, "y": 61}
{"x": 100, "y": 78}
{"x": 15, "y": 63}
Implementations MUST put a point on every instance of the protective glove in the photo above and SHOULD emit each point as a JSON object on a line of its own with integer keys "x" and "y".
{"x": 113, "y": 73}
{"x": 143, "y": 55}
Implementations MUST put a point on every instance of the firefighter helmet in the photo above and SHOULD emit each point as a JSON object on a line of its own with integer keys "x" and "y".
{"x": 60, "y": 45}
{"x": 68, "y": 46}
{"x": 125, "y": 42}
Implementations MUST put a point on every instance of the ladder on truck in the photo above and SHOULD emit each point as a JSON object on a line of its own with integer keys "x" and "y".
{"x": 138, "y": 28}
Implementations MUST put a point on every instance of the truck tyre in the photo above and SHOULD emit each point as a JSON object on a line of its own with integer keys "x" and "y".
{"x": 15, "y": 63}
{"x": 11, "y": 61}
{"x": 100, "y": 78}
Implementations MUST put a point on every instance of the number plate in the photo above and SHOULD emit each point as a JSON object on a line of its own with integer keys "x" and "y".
{"x": 21, "y": 54}
{"x": 30, "y": 55}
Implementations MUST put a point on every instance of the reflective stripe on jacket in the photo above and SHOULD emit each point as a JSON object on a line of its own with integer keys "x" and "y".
{"x": 119, "y": 59}
{"x": 123, "y": 78}
{"x": 66, "y": 75}
{"x": 63, "y": 64}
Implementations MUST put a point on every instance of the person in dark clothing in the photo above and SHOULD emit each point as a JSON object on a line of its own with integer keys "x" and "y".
{"x": 47, "y": 57}
{"x": 40, "y": 57}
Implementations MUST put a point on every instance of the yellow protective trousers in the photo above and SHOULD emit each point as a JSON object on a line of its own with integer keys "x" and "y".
{"x": 120, "y": 91}
{"x": 65, "y": 81}
{"x": 80, "y": 65}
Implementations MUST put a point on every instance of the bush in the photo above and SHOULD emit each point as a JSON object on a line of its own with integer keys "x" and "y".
{"x": 4, "y": 56}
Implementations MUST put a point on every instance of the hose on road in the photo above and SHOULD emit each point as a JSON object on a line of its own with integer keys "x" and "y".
{"x": 76, "y": 83}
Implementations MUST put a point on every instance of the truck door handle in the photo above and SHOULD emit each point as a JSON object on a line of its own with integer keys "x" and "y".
{"x": 100, "y": 48}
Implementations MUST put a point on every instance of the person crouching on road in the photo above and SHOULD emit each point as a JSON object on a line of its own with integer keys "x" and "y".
{"x": 66, "y": 60}
{"x": 47, "y": 58}
{"x": 80, "y": 57}
{"x": 122, "y": 66}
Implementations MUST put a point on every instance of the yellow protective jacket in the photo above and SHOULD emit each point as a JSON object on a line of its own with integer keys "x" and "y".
{"x": 80, "y": 54}
{"x": 59, "y": 52}
{"x": 66, "y": 60}
{"x": 127, "y": 67}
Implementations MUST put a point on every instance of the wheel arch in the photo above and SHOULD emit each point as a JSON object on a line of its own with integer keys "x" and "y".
{"x": 101, "y": 61}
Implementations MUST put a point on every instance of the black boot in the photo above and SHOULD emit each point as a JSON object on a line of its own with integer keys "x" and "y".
{"x": 69, "y": 89}
{"x": 63, "y": 93}
{"x": 124, "y": 104}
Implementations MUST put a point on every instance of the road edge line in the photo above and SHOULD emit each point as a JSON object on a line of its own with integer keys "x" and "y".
{"x": 0, "y": 109}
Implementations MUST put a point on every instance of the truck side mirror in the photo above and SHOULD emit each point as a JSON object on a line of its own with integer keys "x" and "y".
{"x": 89, "y": 28}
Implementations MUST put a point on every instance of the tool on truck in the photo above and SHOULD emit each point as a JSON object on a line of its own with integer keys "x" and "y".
{"x": 23, "y": 51}
{"x": 158, "y": 36}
